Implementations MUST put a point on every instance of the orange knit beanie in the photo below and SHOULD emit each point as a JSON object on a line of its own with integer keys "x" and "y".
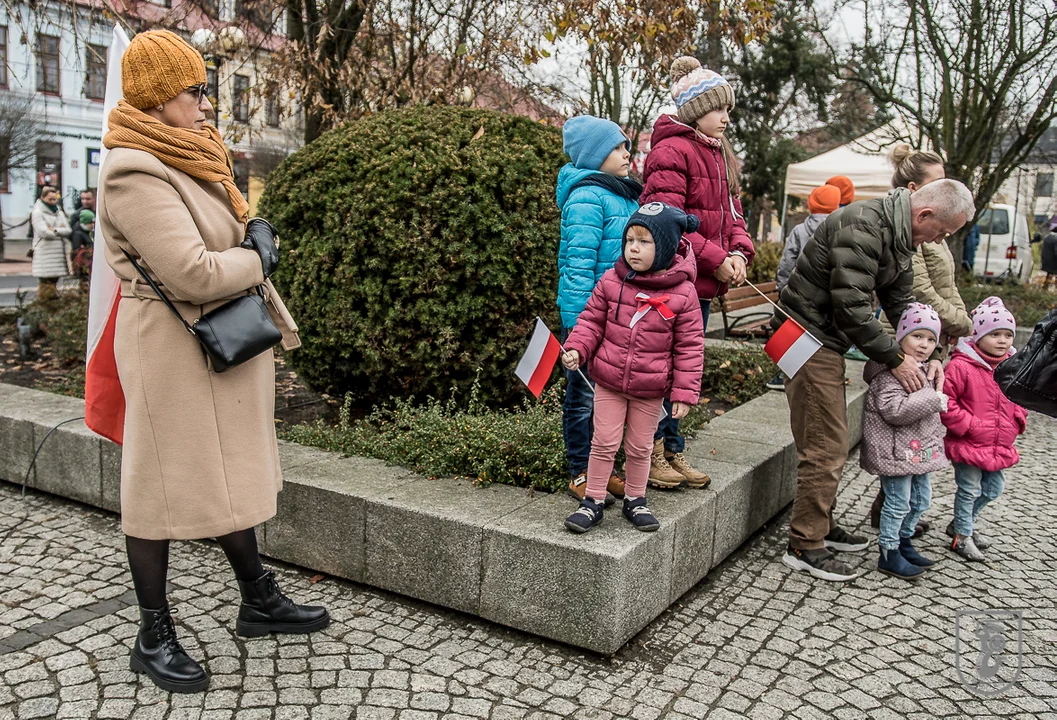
{"x": 824, "y": 199}
{"x": 157, "y": 66}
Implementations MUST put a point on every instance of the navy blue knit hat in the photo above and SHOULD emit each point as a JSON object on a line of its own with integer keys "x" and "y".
{"x": 588, "y": 140}
{"x": 667, "y": 225}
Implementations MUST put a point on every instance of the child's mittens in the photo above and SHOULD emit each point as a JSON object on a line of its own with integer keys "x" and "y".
{"x": 944, "y": 401}
{"x": 571, "y": 360}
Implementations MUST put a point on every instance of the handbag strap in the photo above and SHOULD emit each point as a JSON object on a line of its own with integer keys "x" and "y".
{"x": 156, "y": 289}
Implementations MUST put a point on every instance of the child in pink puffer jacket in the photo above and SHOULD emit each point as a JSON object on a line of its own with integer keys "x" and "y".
{"x": 982, "y": 423}
{"x": 643, "y": 335}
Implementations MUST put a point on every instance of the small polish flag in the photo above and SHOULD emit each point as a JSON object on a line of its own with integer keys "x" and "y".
{"x": 791, "y": 346}
{"x": 534, "y": 368}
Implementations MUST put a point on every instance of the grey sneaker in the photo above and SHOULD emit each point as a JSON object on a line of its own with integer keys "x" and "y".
{"x": 841, "y": 540}
{"x": 982, "y": 541}
{"x": 964, "y": 546}
{"x": 821, "y": 564}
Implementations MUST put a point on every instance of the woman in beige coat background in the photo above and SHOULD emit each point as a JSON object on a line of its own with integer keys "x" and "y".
{"x": 51, "y": 241}
{"x": 934, "y": 275}
{"x": 200, "y": 457}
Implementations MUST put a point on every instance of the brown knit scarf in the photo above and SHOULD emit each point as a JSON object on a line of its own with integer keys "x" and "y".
{"x": 199, "y": 153}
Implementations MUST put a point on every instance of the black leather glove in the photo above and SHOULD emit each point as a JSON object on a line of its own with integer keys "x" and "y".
{"x": 260, "y": 236}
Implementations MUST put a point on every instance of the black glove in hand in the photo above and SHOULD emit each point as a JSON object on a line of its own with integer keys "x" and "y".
{"x": 260, "y": 236}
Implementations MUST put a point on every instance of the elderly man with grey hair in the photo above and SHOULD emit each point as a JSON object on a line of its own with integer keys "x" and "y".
{"x": 864, "y": 248}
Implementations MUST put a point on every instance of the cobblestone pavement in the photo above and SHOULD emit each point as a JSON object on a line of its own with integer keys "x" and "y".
{"x": 752, "y": 640}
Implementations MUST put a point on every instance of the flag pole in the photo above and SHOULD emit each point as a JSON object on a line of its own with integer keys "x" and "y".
{"x": 590, "y": 387}
{"x": 764, "y": 296}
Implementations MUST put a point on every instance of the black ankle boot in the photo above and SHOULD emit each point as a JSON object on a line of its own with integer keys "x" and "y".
{"x": 875, "y": 509}
{"x": 266, "y": 610}
{"x": 158, "y": 654}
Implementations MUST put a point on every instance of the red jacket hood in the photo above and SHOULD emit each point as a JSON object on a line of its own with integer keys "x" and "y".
{"x": 683, "y": 268}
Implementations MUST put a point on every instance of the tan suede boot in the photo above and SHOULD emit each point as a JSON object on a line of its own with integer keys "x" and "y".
{"x": 578, "y": 488}
{"x": 694, "y": 478}
{"x": 662, "y": 474}
{"x": 616, "y": 486}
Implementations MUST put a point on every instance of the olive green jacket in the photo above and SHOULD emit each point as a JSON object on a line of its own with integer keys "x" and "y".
{"x": 934, "y": 284}
{"x": 862, "y": 249}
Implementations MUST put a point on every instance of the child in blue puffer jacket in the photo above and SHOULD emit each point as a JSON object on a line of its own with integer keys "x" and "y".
{"x": 596, "y": 198}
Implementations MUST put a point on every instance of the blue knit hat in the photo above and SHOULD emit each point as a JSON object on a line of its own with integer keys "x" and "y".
{"x": 667, "y": 225}
{"x": 589, "y": 140}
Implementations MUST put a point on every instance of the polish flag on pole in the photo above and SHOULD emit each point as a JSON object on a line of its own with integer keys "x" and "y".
{"x": 104, "y": 401}
{"x": 791, "y": 346}
{"x": 535, "y": 366}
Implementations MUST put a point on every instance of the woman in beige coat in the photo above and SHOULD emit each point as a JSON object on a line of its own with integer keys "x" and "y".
{"x": 51, "y": 241}
{"x": 934, "y": 274}
{"x": 200, "y": 457}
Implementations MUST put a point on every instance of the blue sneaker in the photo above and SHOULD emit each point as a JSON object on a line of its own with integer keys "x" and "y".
{"x": 586, "y": 516}
{"x": 892, "y": 562}
{"x": 639, "y": 515}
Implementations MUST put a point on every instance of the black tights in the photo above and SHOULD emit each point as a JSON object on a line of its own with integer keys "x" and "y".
{"x": 148, "y": 560}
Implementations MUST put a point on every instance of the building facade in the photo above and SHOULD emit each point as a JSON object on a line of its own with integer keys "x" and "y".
{"x": 53, "y": 72}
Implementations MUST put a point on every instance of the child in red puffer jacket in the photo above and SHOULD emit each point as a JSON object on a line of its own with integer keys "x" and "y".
{"x": 691, "y": 166}
{"x": 982, "y": 423}
{"x": 642, "y": 332}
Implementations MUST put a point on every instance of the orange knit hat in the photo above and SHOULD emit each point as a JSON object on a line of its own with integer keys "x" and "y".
{"x": 824, "y": 199}
{"x": 157, "y": 66}
{"x": 846, "y": 187}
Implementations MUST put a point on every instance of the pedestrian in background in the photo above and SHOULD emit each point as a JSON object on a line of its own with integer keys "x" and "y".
{"x": 51, "y": 242}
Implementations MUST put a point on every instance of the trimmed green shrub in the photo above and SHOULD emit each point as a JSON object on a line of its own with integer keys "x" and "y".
{"x": 418, "y": 247}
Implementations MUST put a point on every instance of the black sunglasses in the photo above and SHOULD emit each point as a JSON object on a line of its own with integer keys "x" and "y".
{"x": 198, "y": 90}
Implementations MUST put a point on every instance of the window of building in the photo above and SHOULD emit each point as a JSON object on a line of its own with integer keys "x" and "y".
{"x": 1044, "y": 185}
{"x": 3, "y": 56}
{"x": 272, "y": 110}
{"x": 49, "y": 164}
{"x": 95, "y": 79}
{"x": 241, "y": 168}
{"x": 213, "y": 86}
{"x": 48, "y": 64}
{"x": 240, "y": 100}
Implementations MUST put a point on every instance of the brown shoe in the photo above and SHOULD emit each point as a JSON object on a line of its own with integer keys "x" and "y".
{"x": 616, "y": 486}
{"x": 578, "y": 489}
{"x": 694, "y": 478}
{"x": 662, "y": 474}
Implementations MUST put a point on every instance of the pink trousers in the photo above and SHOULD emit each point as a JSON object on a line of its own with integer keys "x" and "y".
{"x": 612, "y": 411}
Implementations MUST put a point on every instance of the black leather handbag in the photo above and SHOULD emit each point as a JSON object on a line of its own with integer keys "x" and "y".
{"x": 232, "y": 333}
{"x": 1029, "y": 378}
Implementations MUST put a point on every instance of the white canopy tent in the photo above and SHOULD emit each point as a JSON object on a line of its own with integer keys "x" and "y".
{"x": 864, "y": 161}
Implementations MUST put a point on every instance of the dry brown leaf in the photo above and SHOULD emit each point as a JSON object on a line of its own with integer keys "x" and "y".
{"x": 720, "y": 412}
{"x": 738, "y": 377}
{"x": 712, "y": 451}
{"x": 317, "y": 578}
{"x": 479, "y": 134}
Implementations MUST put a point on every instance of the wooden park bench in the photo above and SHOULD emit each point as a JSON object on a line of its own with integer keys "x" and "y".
{"x": 753, "y": 324}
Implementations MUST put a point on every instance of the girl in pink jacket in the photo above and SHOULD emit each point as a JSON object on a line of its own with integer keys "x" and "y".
{"x": 642, "y": 333}
{"x": 981, "y": 423}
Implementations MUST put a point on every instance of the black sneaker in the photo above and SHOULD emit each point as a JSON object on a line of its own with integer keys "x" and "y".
{"x": 821, "y": 564}
{"x": 776, "y": 383}
{"x": 586, "y": 516}
{"x": 639, "y": 515}
{"x": 841, "y": 540}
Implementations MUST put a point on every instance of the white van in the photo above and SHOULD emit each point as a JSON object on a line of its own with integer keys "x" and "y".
{"x": 1005, "y": 249}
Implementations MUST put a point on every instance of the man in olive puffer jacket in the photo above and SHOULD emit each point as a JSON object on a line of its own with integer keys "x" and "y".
{"x": 864, "y": 248}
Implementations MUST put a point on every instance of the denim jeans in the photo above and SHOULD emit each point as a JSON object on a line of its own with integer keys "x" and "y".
{"x": 668, "y": 428}
{"x": 576, "y": 417}
{"x": 976, "y": 488}
{"x": 907, "y": 497}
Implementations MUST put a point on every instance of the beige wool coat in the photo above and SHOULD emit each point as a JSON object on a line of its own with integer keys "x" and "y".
{"x": 934, "y": 284}
{"x": 199, "y": 457}
{"x": 51, "y": 242}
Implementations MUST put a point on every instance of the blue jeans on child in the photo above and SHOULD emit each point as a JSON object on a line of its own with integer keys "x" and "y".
{"x": 668, "y": 428}
{"x": 907, "y": 497}
{"x": 976, "y": 488}
{"x": 577, "y": 409}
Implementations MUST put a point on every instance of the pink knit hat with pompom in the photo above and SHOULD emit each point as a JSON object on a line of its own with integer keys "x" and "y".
{"x": 918, "y": 317}
{"x": 991, "y": 315}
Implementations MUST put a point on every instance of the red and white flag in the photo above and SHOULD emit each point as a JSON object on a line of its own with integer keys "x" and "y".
{"x": 104, "y": 401}
{"x": 791, "y": 346}
{"x": 534, "y": 368}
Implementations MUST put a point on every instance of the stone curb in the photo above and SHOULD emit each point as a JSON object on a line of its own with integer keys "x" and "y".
{"x": 498, "y": 552}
